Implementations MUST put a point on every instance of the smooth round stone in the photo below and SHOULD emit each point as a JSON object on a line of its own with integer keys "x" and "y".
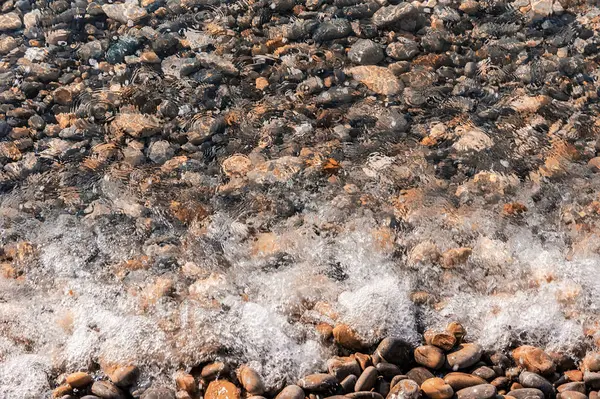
{"x": 214, "y": 370}
{"x": 342, "y": 367}
{"x": 532, "y": 380}
{"x": 318, "y": 382}
{"x": 365, "y": 52}
{"x": 458, "y": 380}
{"x": 485, "y": 391}
{"x": 347, "y": 337}
{"x": 394, "y": 350}
{"x": 107, "y": 390}
{"x": 484, "y": 372}
{"x": 419, "y": 374}
{"x": 251, "y": 381}
{"x": 367, "y": 379}
{"x": 291, "y": 392}
{"x": 404, "y": 389}
{"x": 430, "y": 356}
{"x": 466, "y": 355}
{"x": 591, "y": 362}
{"x": 124, "y": 376}
{"x": 79, "y": 380}
{"x": 436, "y": 388}
{"x": 363, "y": 360}
{"x": 526, "y": 393}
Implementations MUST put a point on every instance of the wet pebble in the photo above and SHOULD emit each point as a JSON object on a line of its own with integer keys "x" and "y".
{"x": 318, "y": 382}
{"x": 365, "y": 52}
{"x": 485, "y": 391}
{"x": 107, "y": 390}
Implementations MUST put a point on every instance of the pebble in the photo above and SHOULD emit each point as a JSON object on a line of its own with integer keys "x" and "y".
{"x": 365, "y": 52}
{"x": 79, "y": 380}
{"x": 465, "y": 355}
{"x": 107, "y": 390}
{"x": 291, "y": 392}
{"x": 318, "y": 382}
{"x": 364, "y": 395}
{"x": 378, "y": 79}
{"x": 7, "y": 44}
{"x": 532, "y": 380}
{"x": 347, "y": 337}
{"x": 367, "y": 379}
{"x": 484, "y": 372}
{"x": 393, "y": 14}
{"x": 485, "y": 391}
{"x": 436, "y": 388}
{"x": 572, "y": 386}
{"x": 404, "y": 389}
{"x": 394, "y": 350}
{"x": 348, "y": 383}
{"x": 221, "y": 389}
{"x": 430, "y": 356}
{"x": 251, "y": 381}
{"x": 402, "y": 50}
{"x": 592, "y": 379}
{"x": 334, "y": 29}
{"x": 342, "y": 367}
{"x": 442, "y": 340}
{"x": 572, "y": 395}
{"x": 534, "y": 360}
{"x": 388, "y": 370}
{"x": 10, "y": 21}
{"x": 186, "y": 382}
{"x": 124, "y": 12}
{"x": 137, "y": 125}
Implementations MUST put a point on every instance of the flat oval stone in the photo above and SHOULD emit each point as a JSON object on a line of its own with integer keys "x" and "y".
{"x": 464, "y": 356}
{"x": 430, "y": 356}
{"x": 347, "y": 337}
{"x": 458, "y": 380}
{"x": 251, "y": 381}
{"x": 394, "y": 350}
{"x": 592, "y": 379}
{"x": 484, "y": 372}
{"x": 79, "y": 380}
{"x": 214, "y": 370}
{"x": 124, "y": 376}
{"x": 318, "y": 382}
{"x": 291, "y": 392}
{"x": 404, "y": 389}
{"x": 342, "y": 367}
{"x": 367, "y": 379}
{"x": 436, "y": 388}
{"x": 533, "y": 380}
{"x": 526, "y": 393}
{"x": 485, "y": 391}
{"x": 107, "y": 390}
{"x": 572, "y": 386}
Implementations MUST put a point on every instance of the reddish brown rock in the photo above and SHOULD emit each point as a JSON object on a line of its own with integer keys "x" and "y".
{"x": 318, "y": 382}
{"x": 460, "y": 381}
{"x": 251, "y": 380}
{"x": 436, "y": 388}
{"x": 221, "y": 389}
{"x": 443, "y": 340}
{"x": 533, "y": 359}
{"x": 430, "y": 356}
{"x": 347, "y": 337}
{"x": 79, "y": 380}
{"x": 185, "y": 382}
{"x": 464, "y": 356}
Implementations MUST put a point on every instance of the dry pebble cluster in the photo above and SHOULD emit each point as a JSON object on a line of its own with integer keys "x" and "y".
{"x": 446, "y": 366}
